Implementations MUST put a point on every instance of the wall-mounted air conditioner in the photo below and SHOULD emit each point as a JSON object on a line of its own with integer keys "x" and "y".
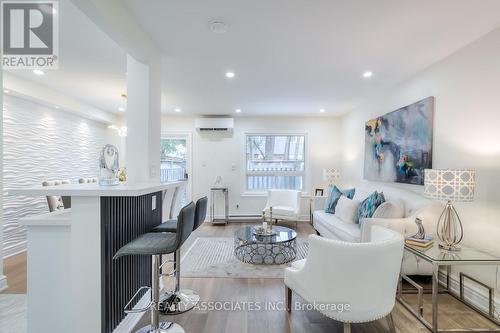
{"x": 214, "y": 124}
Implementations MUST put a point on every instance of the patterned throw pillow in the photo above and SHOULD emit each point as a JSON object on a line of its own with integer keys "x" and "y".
{"x": 334, "y": 197}
{"x": 369, "y": 205}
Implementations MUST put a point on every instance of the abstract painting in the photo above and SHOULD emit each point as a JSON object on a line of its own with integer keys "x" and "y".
{"x": 398, "y": 145}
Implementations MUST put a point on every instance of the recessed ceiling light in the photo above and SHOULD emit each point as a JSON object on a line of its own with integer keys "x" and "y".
{"x": 218, "y": 26}
{"x": 121, "y": 108}
{"x": 177, "y": 110}
{"x": 6, "y": 91}
{"x": 322, "y": 110}
{"x": 230, "y": 75}
{"x": 57, "y": 106}
{"x": 237, "y": 110}
{"x": 367, "y": 74}
{"x": 38, "y": 72}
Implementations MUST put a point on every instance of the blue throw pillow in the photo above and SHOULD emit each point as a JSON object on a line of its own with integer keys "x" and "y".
{"x": 368, "y": 206}
{"x": 334, "y": 197}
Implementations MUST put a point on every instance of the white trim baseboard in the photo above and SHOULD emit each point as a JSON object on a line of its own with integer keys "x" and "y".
{"x": 3, "y": 283}
{"x": 476, "y": 296}
{"x": 256, "y": 217}
{"x": 15, "y": 249}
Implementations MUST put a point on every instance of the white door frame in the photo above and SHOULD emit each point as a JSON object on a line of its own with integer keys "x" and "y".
{"x": 189, "y": 155}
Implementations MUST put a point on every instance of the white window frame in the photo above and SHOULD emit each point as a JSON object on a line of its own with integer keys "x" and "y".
{"x": 189, "y": 157}
{"x": 263, "y": 192}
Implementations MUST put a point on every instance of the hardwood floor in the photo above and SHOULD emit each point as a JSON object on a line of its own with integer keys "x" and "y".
{"x": 453, "y": 314}
{"x": 15, "y": 270}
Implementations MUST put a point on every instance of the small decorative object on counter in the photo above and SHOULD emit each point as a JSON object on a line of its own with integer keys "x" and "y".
{"x": 122, "y": 174}
{"x": 421, "y": 231}
{"x": 108, "y": 166}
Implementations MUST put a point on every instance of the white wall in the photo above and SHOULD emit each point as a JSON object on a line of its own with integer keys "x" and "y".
{"x": 466, "y": 131}
{"x": 214, "y": 154}
{"x": 42, "y": 143}
{"x": 114, "y": 19}
{"x": 50, "y": 97}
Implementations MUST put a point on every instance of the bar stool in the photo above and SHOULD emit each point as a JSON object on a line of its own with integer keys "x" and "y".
{"x": 156, "y": 244}
{"x": 180, "y": 301}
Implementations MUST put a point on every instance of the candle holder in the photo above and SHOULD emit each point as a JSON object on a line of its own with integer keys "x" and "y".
{"x": 267, "y": 225}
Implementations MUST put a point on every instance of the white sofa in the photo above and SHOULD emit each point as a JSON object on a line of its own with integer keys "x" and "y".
{"x": 415, "y": 205}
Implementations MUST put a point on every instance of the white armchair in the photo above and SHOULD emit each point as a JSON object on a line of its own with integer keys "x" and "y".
{"x": 285, "y": 204}
{"x": 363, "y": 276}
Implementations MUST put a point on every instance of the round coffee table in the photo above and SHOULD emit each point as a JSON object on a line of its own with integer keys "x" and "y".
{"x": 268, "y": 250}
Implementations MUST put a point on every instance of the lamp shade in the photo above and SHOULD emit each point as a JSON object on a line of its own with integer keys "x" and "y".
{"x": 330, "y": 175}
{"x": 449, "y": 184}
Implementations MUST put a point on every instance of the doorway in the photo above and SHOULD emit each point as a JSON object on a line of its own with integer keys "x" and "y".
{"x": 175, "y": 162}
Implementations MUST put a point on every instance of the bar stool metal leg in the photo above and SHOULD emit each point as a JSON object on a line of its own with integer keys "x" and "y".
{"x": 178, "y": 301}
{"x": 156, "y": 326}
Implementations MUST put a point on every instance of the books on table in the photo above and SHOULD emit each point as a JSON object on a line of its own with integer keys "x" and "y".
{"x": 421, "y": 244}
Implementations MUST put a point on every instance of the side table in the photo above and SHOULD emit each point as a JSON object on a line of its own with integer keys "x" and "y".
{"x": 440, "y": 258}
{"x": 225, "y": 195}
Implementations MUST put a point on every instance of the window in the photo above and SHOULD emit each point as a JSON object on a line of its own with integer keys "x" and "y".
{"x": 173, "y": 159}
{"x": 275, "y": 161}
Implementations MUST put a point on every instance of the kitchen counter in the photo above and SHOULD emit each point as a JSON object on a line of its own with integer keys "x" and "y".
{"x": 74, "y": 284}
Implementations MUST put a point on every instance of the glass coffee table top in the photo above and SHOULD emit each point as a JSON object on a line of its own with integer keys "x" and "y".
{"x": 282, "y": 235}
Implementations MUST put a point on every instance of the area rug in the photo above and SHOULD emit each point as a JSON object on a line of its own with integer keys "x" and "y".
{"x": 214, "y": 257}
{"x": 13, "y": 309}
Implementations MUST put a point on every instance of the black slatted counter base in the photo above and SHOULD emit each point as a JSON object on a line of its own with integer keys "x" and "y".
{"x": 122, "y": 220}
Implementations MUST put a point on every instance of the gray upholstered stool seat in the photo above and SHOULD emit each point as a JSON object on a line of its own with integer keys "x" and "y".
{"x": 152, "y": 243}
{"x": 168, "y": 226}
{"x": 180, "y": 301}
{"x": 155, "y": 244}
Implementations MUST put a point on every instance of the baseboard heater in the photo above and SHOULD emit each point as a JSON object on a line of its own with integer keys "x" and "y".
{"x": 244, "y": 217}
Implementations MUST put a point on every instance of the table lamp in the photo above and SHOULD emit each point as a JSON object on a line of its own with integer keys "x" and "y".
{"x": 330, "y": 176}
{"x": 452, "y": 186}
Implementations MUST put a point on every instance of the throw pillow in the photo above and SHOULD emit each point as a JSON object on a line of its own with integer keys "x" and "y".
{"x": 334, "y": 196}
{"x": 346, "y": 209}
{"x": 390, "y": 210}
{"x": 369, "y": 205}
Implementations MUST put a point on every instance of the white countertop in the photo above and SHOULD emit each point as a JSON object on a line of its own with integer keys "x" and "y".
{"x": 60, "y": 218}
{"x": 95, "y": 190}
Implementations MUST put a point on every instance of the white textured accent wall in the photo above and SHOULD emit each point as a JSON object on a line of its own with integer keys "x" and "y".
{"x": 3, "y": 279}
{"x": 40, "y": 144}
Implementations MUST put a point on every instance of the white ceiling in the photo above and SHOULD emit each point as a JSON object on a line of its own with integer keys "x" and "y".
{"x": 293, "y": 57}
{"x": 91, "y": 65}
